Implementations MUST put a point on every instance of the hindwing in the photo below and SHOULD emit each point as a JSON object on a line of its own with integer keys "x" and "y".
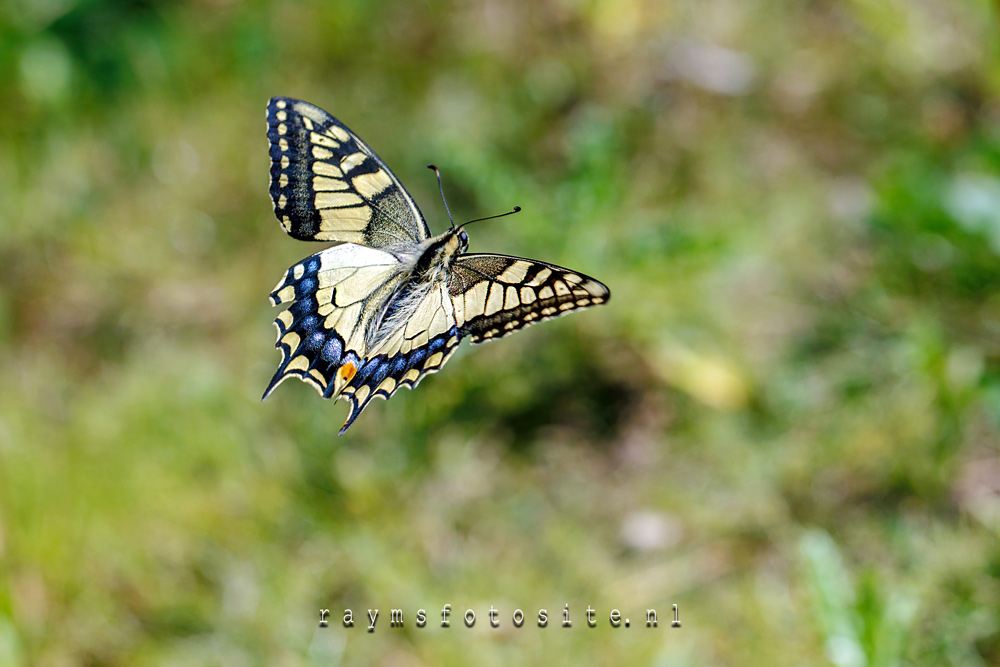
{"x": 328, "y": 185}
{"x": 495, "y": 295}
{"x": 336, "y": 294}
{"x": 420, "y": 341}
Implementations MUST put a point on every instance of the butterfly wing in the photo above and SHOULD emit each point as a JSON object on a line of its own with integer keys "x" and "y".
{"x": 336, "y": 294}
{"x": 423, "y": 335}
{"x": 495, "y": 295}
{"x": 328, "y": 185}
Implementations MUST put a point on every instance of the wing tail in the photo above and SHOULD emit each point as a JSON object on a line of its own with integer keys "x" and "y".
{"x": 383, "y": 374}
{"x": 320, "y": 336}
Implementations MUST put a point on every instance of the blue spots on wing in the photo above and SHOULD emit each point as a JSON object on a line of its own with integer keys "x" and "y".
{"x": 308, "y": 323}
{"x": 361, "y": 378}
{"x": 398, "y": 366}
{"x": 314, "y": 342}
{"x": 373, "y": 373}
{"x": 322, "y": 348}
{"x": 332, "y": 350}
{"x": 416, "y": 358}
{"x": 437, "y": 343}
{"x": 306, "y": 284}
{"x": 375, "y": 370}
{"x": 324, "y": 351}
{"x": 303, "y": 308}
{"x": 328, "y": 358}
{"x": 379, "y": 373}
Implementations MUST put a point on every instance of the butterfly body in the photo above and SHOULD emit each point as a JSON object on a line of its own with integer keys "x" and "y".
{"x": 389, "y": 303}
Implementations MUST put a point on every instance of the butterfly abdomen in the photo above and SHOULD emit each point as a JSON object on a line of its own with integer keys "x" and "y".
{"x": 399, "y": 311}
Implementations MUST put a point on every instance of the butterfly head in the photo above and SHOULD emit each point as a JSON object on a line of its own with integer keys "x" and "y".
{"x": 454, "y": 242}
{"x": 437, "y": 253}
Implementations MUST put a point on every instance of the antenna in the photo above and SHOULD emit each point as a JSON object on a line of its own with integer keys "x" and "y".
{"x": 441, "y": 188}
{"x": 490, "y": 217}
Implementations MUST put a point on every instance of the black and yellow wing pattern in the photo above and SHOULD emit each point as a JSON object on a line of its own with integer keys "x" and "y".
{"x": 387, "y": 304}
{"x": 328, "y": 185}
{"x": 420, "y": 345}
{"x": 335, "y": 295}
{"x": 495, "y": 295}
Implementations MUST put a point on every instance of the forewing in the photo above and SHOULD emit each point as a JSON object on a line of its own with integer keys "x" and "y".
{"x": 328, "y": 185}
{"x": 335, "y": 294}
{"x": 422, "y": 342}
{"x": 495, "y": 295}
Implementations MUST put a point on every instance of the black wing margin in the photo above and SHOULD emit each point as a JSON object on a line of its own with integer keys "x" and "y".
{"x": 328, "y": 185}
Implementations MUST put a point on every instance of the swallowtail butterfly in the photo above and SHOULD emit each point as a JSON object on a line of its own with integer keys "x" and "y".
{"x": 388, "y": 303}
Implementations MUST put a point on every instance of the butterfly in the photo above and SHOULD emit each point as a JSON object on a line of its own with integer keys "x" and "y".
{"x": 388, "y": 303}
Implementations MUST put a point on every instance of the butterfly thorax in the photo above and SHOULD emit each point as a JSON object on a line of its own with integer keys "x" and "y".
{"x": 428, "y": 265}
{"x": 437, "y": 254}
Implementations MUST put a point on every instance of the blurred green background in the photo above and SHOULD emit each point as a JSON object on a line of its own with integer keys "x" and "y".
{"x": 786, "y": 421}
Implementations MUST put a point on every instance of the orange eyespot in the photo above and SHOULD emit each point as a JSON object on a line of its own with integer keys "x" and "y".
{"x": 346, "y": 372}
